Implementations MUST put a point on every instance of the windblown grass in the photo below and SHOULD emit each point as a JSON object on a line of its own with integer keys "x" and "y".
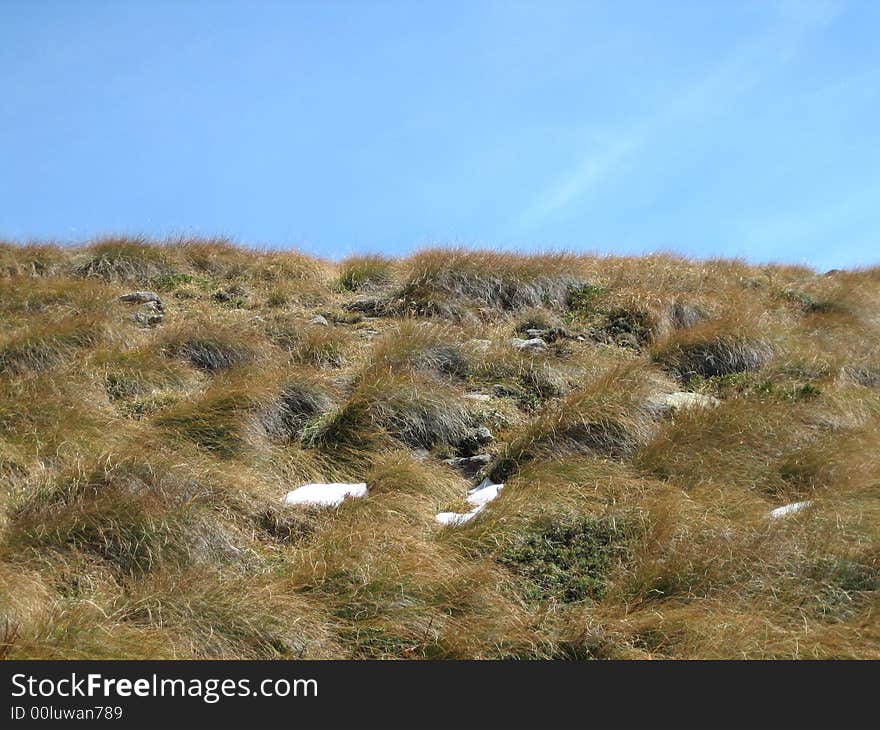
{"x": 360, "y": 273}
{"x": 452, "y": 282}
{"x": 710, "y": 351}
{"x": 142, "y": 469}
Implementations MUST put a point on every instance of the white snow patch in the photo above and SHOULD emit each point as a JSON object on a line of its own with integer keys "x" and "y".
{"x": 326, "y": 495}
{"x": 789, "y": 509}
{"x": 454, "y": 519}
{"x": 479, "y": 496}
{"x": 484, "y": 494}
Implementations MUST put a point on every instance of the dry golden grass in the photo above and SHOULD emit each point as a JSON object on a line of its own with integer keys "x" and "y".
{"x": 143, "y": 467}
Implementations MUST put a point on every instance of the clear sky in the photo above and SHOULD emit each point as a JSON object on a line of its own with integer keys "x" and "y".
{"x": 709, "y": 128}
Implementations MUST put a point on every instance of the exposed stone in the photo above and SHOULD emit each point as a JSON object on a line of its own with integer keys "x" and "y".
{"x": 143, "y": 297}
{"x": 551, "y": 334}
{"x": 535, "y": 344}
{"x": 668, "y": 403}
{"x": 373, "y": 306}
{"x": 482, "y": 435}
{"x": 319, "y": 320}
{"x": 469, "y": 465}
{"x": 150, "y": 315}
{"x": 474, "y": 440}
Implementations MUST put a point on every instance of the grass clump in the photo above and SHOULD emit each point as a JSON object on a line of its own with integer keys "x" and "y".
{"x": 221, "y": 420}
{"x": 322, "y": 347}
{"x": 422, "y": 346}
{"x": 608, "y": 417}
{"x": 210, "y": 348}
{"x": 363, "y": 273}
{"x": 131, "y": 260}
{"x": 582, "y": 300}
{"x": 420, "y": 412}
{"x": 129, "y": 515}
{"x": 297, "y": 404}
{"x": 214, "y": 614}
{"x": 452, "y": 282}
{"x": 129, "y": 373}
{"x": 48, "y": 344}
{"x": 710, "y": 352}
{"x": 31, "y": 260}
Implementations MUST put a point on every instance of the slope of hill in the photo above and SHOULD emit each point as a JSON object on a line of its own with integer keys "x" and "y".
{"x": 690, "y": 454}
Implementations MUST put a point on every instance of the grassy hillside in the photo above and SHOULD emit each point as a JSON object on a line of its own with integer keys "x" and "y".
{"x": 146, "y": 443}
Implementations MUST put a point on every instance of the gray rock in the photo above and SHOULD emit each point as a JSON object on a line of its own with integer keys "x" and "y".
{"x": 627, "y": 339}
{"x": 373, "y": 306}
{"x": 535, "y": 344}
{"x": 143, "y": 297}
{"x": 482, "y": 435}
{"x": 319, "y": 320}
{"x": 150, "y": 315}
{"x": 469, "y": 465}
{"x": 474, "y": 440}
{"x": 669, "y": 403}
{"x": 551, "y": 334}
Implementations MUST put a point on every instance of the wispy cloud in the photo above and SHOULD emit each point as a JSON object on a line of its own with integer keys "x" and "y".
{"x": 732, "y": 78}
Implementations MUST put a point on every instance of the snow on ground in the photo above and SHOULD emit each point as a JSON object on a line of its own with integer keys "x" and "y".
{"x": 484, "y": 494}
{"x": 454, "y": 519}
{"x": 479, "y": 496}
{"x": 789, "y": 509}
{"x": 325, "y": 495}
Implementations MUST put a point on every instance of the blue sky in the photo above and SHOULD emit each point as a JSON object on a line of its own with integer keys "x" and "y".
{"x": 709, "y": 128}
